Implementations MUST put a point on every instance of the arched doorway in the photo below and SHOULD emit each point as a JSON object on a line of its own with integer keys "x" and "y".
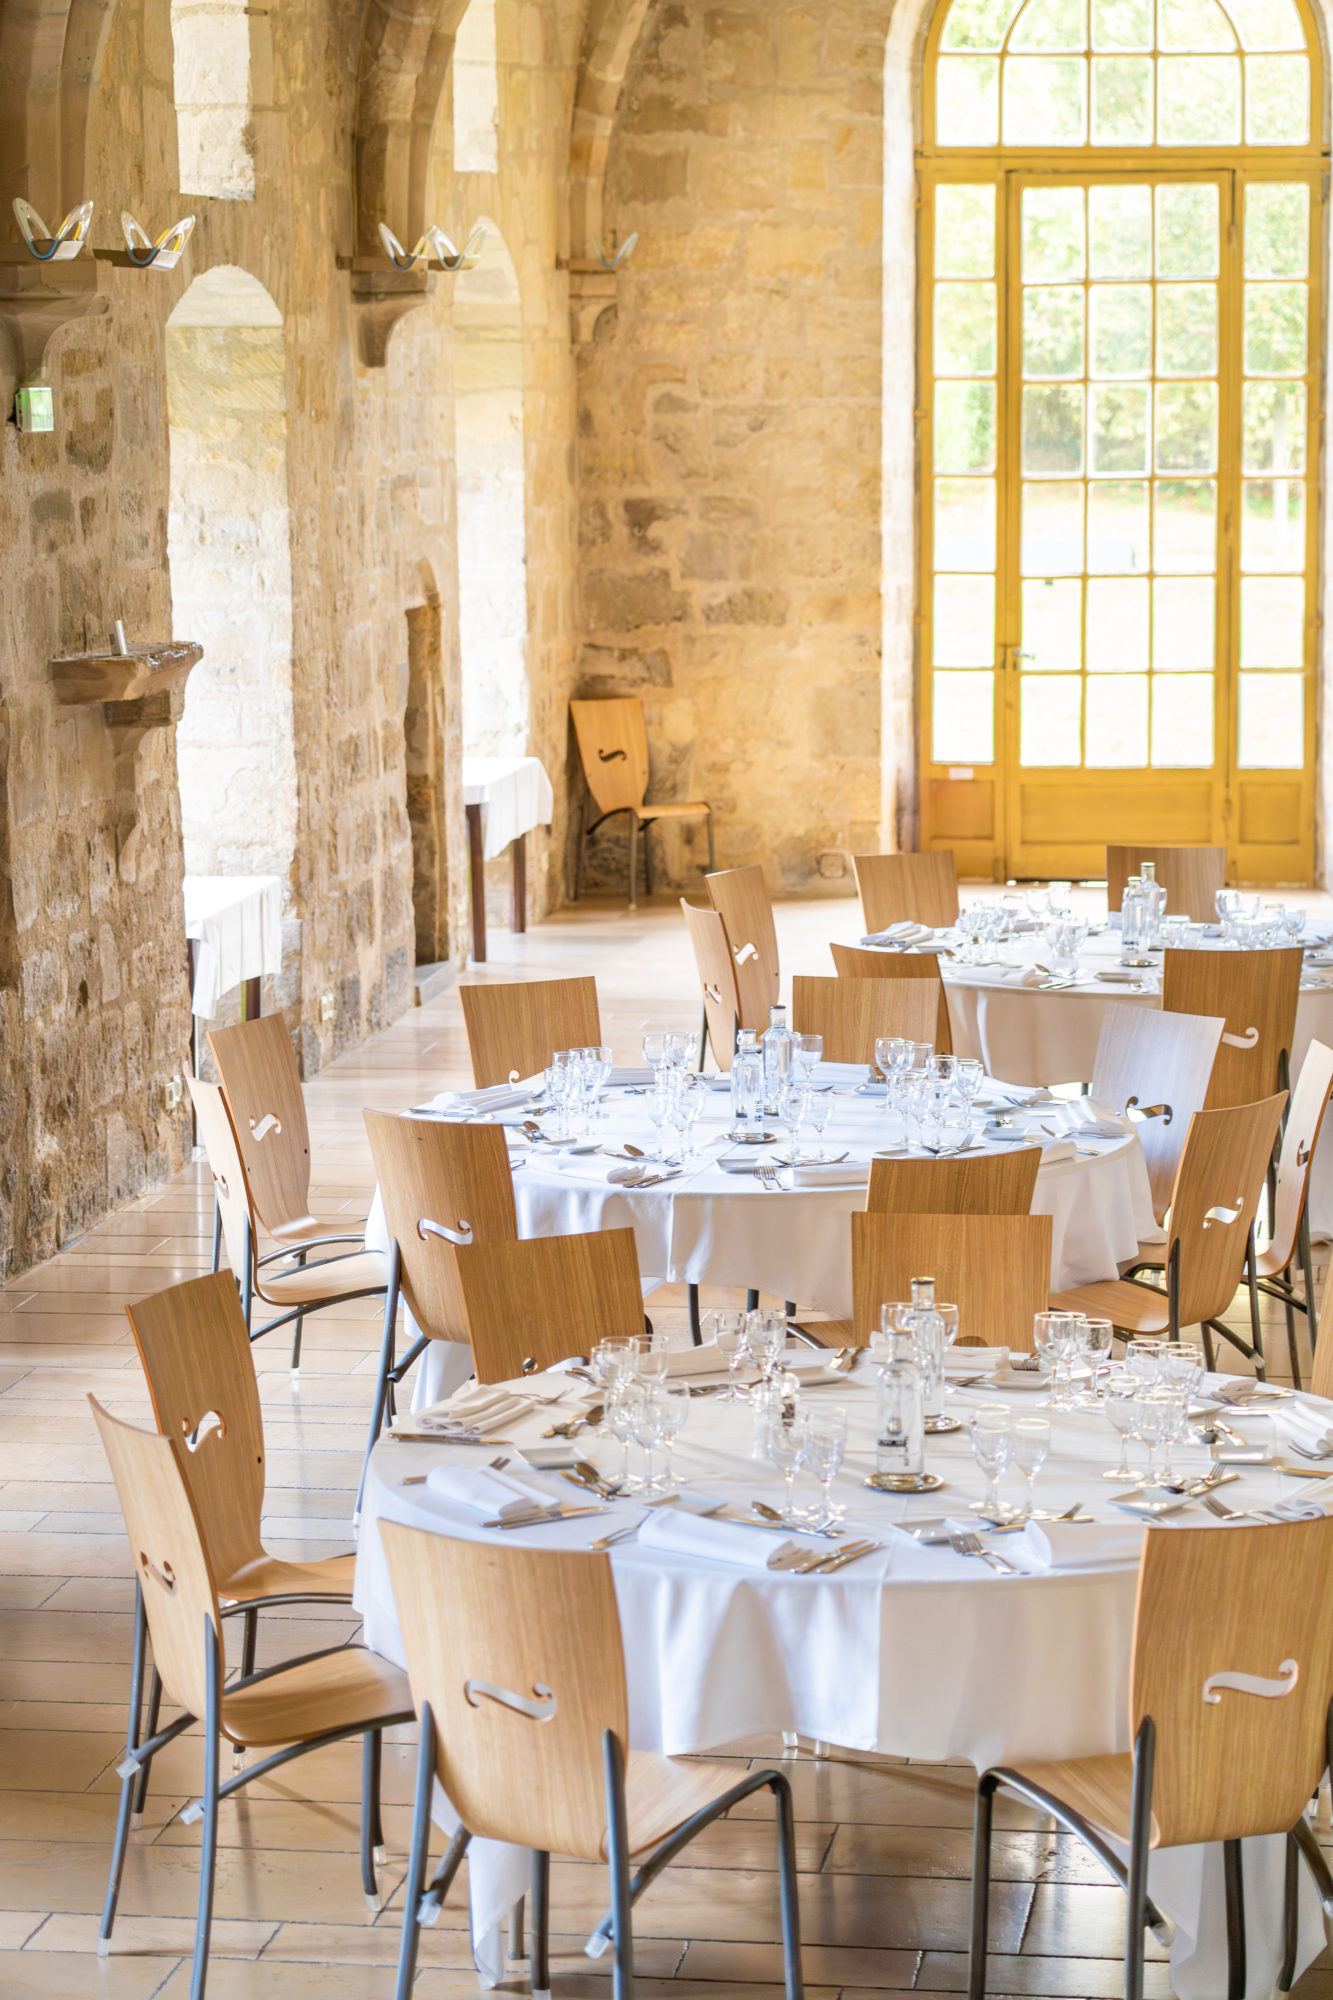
{"x": 228, "y": 546}
{"x": 492, "y": 504}
{"x": 1118, "y": 573}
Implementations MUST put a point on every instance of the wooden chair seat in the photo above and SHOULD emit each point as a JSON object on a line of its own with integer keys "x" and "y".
{"x": 663, "y": 1792}
{"x": 338, "y": 1691}
{"x": 678, "y": 809}
{"x": 613, "y": 750}
{"x": 269, "y": 1576}
{"x": 1132, "y": 1308}
{"x": 364, "y": 1271}
{"x": 828, "y": 1332}
{"x": 1099, "y": 1789}
{"x": 298, "y": 1230}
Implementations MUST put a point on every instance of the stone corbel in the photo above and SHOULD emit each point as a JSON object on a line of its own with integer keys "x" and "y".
{"x": 592, "y": 292}
{"x": 37, "y": 299}
{"x": 139, "y": 690}
{"x": 381, "y": 296}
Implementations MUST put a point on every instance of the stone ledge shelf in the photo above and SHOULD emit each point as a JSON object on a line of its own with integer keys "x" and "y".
{"x": 141, "y": 674}
{"x": 37, "y": 299}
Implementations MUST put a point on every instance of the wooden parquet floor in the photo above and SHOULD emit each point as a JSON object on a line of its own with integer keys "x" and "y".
{"x": 883, "y": 1846}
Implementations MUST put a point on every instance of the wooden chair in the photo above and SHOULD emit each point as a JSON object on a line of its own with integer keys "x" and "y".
{"x": 1154, "y": 1069}
{"x": 854, "y": 961}
{"x": 1229, "y": 1715}
{"x": 515, "y": 1026}
{"x": 973, "y": 1184}
{"x": 196, "y": 1360}
{"x": 907, "y": 888}
{"x": 262, "y": 1085}
{"x": 516, "y": 1662}
{"x": 546, "y": 1297}
{"x": 306, "y": 1287}
{"x": 995, "y": 1268}
{"x": 740, "y": 897}
{"x": 1191, "y": 877}
{"x": 853, "y": 1014}
{"x": 717, "y": 976}
{"x": 613, "y": 750}
{"x": 287, "y": 1710}
{"x": 441, "y": 1184}
{"x": 1291, "y": 1219}
{"x": 1209, "y": 1235}
{"x": 1256, "y": 993}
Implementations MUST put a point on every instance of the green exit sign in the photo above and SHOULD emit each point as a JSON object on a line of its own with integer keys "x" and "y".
{"x": 34, "y": 407}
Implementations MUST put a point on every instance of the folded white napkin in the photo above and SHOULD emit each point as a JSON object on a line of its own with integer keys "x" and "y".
{"x": 1084, "y": 1117}
{"x": 905, "y": 933}
{"x": 481, "y": 1490}
{"x": 498, "y": 1097}
{"x": 476, "y": 1400}
{"x": 1310, "y": 1424}
{"x": 963, "y": 1364}
{"x": 841, "y": 1173}
{"x": 1054, "y": 1151}
{"x": 705, "y": 1360}
{"x": 1122, "y": 975}
{"x": 1031, "y": 975}
{"x": 1047, "y": 1545}
{"x": 721, "y": 1541}
{"x": 620, "y": 1078}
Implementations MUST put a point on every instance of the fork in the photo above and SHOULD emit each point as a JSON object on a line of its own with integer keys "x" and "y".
{"x": 768, "y": 1175}
{"x": 967, "y": 1543}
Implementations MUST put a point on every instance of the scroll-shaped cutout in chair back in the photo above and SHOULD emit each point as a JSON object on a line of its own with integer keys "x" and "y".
{"x": 166, "y": 1576}
{"x": 611, "y": 756}
{"x": 542, "y": 1709}
{"x": 461, "y": 1235}
{"x": 1221, "y": 1213}
{"x": 1248, "y": 1040}
{"x": 211, "y": 1421}
{"x": 745, "y": 954}
{"x": 1268, "y": 1690}
{"x": 268, "y": 1123}
{"x": 1138, "y": 1114}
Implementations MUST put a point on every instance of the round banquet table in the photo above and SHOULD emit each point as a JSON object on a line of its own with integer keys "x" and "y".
{"x": 713, "y": 1227}
{"x": 1029, "y": 1035}
{"x": 912, "y": 1651}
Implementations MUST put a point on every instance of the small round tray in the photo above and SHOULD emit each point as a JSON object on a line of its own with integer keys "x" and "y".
{"x": 895, "y": 1482}
{"x": 752, "y": 1138}
{"x": 937, "y": 1426}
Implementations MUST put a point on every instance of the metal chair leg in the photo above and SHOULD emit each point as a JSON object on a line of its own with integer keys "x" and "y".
{"x": 617, "y": 1848}
{"x": 712, "y": 856}
{"x": 578, "y": 851}
{"x": 248, "y": 1275}
{"x": 371, "y": 1755}
{"x": 150, "y": 1731}
{"x": 418, "y": 1857}
{"x": 1233, "y": 1871}
{"x": 208, "y": 1853}
{"x": 1256, "y": 1331}
{"x": 633, "y": 860}
{"x": 703, "y": 1035}
{"x": 696, "y": 1330}
{"x": 386, "y": 1363}
{"x": 787, "y": 1890}
{"x": 752, "y": 1302}
{"x": 1307, "y": 1273}
{"x": 1291, "y": 1914}
{"x": 647, "y": 859}
{"x": 216, "y": 1264}
{"x": 250, "y": 1634}
{"x": 128, "y": 1785}
{"x": 517, "y": 1945}
{"x": 1136, "y": 1914}
{"x": 983, "y": 1816}
{"x": 540, "y": 1925}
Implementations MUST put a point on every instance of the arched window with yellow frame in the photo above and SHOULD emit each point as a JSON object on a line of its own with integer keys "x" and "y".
{"x": 1120, "y": 366}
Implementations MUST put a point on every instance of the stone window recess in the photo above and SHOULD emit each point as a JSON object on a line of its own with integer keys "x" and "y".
{"x": 476, "y": 92}
{"x": 214, "y": 98}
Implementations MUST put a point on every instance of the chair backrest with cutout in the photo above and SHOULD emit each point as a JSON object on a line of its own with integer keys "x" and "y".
{"x": 436, "y": 1176}
{"x": 717, "y": 976}
{"x": 1233, "y": 1661}
{"x": 853, "y": 1014}
{"x": 740, "y": 897}
{"x": 995, "y": 1268}
{"x": 613, "y": 750}
{"x": 907, "y": 888}
{"x": 515, "y": 1026}
{"x": 547, "y": 1297}
{"x": 262, "y": 1084}
{"x": 854, "y": 961}
{"x": 1222, "y": 1171}
{"x": 1191, "y": 877}
{"x": 1305, "y": 1119}
{"x": 1155, "y": 1068}
{"x": 201, "y": 1378}
{"x": 168, "y": 1551}
{"x": 519, "y": 1654}
{"x": 213, "y": 1123}
{"x": 973, "y": 1184}
{"x": 1256, "y": 993}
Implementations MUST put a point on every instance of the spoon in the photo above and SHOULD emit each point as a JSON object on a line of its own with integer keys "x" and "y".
{"x": 768, "y": 1513}
{"x": 846, "y": 1359}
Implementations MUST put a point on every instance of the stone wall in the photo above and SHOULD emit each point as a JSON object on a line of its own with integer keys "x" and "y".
{"x": 729, "y": 432}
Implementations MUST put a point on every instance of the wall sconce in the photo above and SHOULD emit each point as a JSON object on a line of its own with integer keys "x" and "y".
{"x": 434, "y": 244}
{"x": 610, "y": 263}
{"x": 165, "y": 253}
{"x": 67, "y": 240}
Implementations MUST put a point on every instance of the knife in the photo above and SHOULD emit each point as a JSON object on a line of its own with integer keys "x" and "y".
{"x": 544, "y": 1520}
{"x": 828, "y": 1564}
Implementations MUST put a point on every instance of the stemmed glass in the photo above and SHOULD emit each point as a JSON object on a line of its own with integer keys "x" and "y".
{"x": 806, "y": 1051}
{"x": 1051, "y": 1336}
{"x": 688, "y": 1103}
{"x": 766, "y": 1333}
{"x": 825, "y": 1445}
{"x": 611, "y": 1361}
{"x": 654, "y": 1051}
{"x": 1181, "y": 1369}
{"x": 1032, "y": 1442}
{"x": 992, "y": 1435}
{"x": 968, "y": 1076}
{"x": 621, "y": 1417}
{"x": 730, "y": 1334}
{"x": 1121, "y": 1406}
{"x": 816, "y": 1110}
{"x": 651, "y": 1357}
{"x": 1094, "y": 1337}
{"x": 595, "y": 1064}
{"x": 673, "y": 1402}
{"x": 786, "y": 1448}
{"x": 648, "y": 1423}
{"x": 680, "y": 1046}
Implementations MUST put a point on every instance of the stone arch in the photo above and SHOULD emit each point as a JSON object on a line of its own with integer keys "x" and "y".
{"x": 608, "y": 43}
{"x": 212, "y": 87}
{"x": 424, "y": 744}
{"x": 490, "y": 460}
{"x": 229, "y": 553}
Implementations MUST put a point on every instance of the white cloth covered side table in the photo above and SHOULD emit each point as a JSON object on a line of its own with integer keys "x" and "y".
{"x": 235, "y": 922}
{"x": 504, "y": 798}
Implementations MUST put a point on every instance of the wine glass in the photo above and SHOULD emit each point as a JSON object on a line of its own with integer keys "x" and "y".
{"x": 729, "y": 1333}
{"x": 1293, "y": 923}
{"x": 766, "y": 1332}
{"x": 621, "y": 1408}
{"x": 596, "y": 1075}
{"x": 1121, "y": 1406}
{"x": 611, "y": 1361}
{"x": 648, "y": 1421}
{"x": 680, "y": 1046}
{"x": 652, "y": 1356}
{"x": 1094, "y": 1337}
{"x": 992, "y": 1434}
{"x": 825, "y": 1446}
{"x": 806, "y": 1051}
{"x": 816, "y": 1110}
{"x": 1032, "y": 1443}
{"x": 654, "y": 1050}
{"x": 786, "y": 1448}
{"x": 673, "y": 1403}
{"x": 968, "y": 1075}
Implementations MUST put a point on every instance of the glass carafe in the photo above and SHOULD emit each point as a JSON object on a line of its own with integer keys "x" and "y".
{"x": 747, "y": 1087}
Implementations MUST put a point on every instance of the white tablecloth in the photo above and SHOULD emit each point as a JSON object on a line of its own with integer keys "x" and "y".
{"x": 514, "y": 794}
{"x": 1029, "y": 1036}
{"x": 715, "y": 1228}
{"x": 236, "y": 920}
{"x": 915, "y": 1652}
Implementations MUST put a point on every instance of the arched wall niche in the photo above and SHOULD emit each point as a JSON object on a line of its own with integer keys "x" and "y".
{"x": 476, "y": 92}
{"x": 213, "y": 90}
{"x": 492, "y": 503}
{"x": 229, "y": 552}
{"x": 609, "y": 39}
{"x": 904, "y": 62}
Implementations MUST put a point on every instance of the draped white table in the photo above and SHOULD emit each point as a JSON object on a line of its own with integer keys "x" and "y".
{"x": 504, "y": 798}
{"x": 717, "y": 1228}
{"x": 915, "y": 1651}
{"x": 235, "y": 924}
